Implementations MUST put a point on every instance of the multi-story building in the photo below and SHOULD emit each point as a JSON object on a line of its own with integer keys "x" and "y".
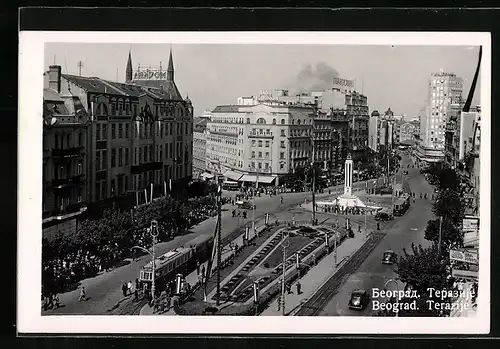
{"x": 268, "y": 140}
{"x": 139, "y": 132}
{"x": 64, "y": 162}
{"x": 462, "y": 147}
{"x": 445, "y": 90}
{"x": 373, "y": 131}
{"x": 199, "y": 146}
{"x": 459, "y": 133}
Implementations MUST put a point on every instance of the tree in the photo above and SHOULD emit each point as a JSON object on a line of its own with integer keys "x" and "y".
{"x": 448, "y": 179}
{"x": 423, "y": 269}
{"x": 448, "y": 204}
{"x": 450, "y": 234}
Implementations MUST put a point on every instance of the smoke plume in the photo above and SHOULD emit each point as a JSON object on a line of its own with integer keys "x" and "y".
{"x": 316, "y": 77}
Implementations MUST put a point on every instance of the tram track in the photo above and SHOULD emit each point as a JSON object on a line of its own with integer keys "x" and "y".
{"x": 315, "y": 304}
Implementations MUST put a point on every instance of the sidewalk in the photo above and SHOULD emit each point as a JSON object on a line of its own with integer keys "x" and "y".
{"x": 192, "y": 278}
{"x": 316, "y": 277}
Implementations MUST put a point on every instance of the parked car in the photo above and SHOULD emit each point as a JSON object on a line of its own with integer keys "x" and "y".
{"x": 383, "y": 216}
{"x": 359, "y": 300}
{"x": 405, "y": 172}
{"x": 389, "y": 257}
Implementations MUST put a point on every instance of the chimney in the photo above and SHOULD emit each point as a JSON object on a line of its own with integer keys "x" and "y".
{"x": 55, "y": 78}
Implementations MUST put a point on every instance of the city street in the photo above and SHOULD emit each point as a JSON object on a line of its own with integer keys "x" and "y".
{"x": 104, "y": 291}
{"x": 402, "y": 233}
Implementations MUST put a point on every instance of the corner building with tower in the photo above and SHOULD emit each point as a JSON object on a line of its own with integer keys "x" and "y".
{"x": 137, "y": 135}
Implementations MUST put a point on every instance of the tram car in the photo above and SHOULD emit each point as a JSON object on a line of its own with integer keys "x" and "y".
{"x": 401, "y": 205}
{"x": 182, "y": 260}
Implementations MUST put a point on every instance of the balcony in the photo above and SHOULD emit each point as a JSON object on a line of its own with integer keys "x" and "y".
{"x": 224, "y": 133}
{"x": 68, "y": 152}
{"x": 71, "y": 181}
{"x": 267, "y": 135}
{"x": 64, "y": 212}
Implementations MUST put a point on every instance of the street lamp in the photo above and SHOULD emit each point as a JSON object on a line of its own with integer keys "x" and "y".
{"x": 153, "y": 231}
{"x": 253, "y": 198}
{"x": 397, "y": 287}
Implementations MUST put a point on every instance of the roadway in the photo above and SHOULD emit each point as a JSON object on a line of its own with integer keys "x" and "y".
{"x": 401, "y": 233}
{"x": 104, "y": 291}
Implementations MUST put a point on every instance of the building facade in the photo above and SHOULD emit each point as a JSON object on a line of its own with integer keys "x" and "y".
{"x": 462, "y": 149}
{"x": 373, "y": 131}
{"x": 139, "y": 133}
{"x": 264, "y": 140}
{"x": 199, "y": 146}
{"x": 444, "y": 91}
{"x": 64, "y": 147}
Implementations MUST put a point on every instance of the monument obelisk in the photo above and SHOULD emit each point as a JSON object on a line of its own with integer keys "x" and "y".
{"x": 348, "y": 176}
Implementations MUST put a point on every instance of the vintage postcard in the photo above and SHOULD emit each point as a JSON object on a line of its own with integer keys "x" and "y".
{"x": 301, "y": 183}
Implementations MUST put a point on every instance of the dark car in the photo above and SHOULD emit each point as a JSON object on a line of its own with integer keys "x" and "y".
{"x": 359, "y": 300}
{"x": 389, "y": 257}
{"x": 383, "y": 216}
{"x": 405, "y": 172}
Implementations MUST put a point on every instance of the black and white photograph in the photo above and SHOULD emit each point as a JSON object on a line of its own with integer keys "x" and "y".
{"x": 187, "y": 182}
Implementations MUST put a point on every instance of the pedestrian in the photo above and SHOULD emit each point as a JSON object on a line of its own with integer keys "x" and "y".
{"x": 82, "y": 294}
{"x": 288, "y": 288}
{"x": 129, "y": 287}
{"x": 299, "y": 287}
{"x": 57, "y": 304}
{"x": 124, "y": 289}
{"x": 279, "y": 302}
{"x": 136, "y": 295}
{"x": 198, "y": 267}
{"x": 137, "y": 283}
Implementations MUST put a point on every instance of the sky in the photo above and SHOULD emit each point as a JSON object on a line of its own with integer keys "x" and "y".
{"x": 217, "y": 74}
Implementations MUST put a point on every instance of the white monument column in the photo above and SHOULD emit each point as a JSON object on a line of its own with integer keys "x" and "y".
{"x": 348, "y": 176}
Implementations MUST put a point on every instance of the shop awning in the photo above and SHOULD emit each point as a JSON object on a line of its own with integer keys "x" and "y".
{"x": 232, "y": 175}
{"x": 207, "y": 175}
{"x": 262, "y": 179}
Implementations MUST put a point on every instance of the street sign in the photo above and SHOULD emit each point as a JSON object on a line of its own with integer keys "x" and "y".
{"x": 465, "y": 274}
{"x": 470, "y": 223}
{"x": 464, "y": 256}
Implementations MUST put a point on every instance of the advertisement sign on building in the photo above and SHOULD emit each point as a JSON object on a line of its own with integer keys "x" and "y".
{"x": 150, "y": 74}
{"x": 470, "y": 223}
{"x": 464, "y": 256}
{"x": 343, "y": 84}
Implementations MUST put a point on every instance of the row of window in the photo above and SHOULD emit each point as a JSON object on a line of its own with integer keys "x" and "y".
{"x": 62, "y": 172}
{"x": 122, "y": 130}
{"x": 64, "y": 140}
{"x": 123, "y": 157}
{"x": 266, "y": 166}
{"x": 125, "y": 108}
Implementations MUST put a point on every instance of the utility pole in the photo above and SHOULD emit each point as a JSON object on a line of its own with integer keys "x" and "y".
{"x": 440, "y": 234}
{"x": 80, "y": 66}
{"x": 284, "y": 243}
{"x": 313, "y": 182}
{"x": 219, "y": 240}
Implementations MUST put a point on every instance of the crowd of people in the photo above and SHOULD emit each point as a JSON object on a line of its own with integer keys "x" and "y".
{"x": 66, "y": 262}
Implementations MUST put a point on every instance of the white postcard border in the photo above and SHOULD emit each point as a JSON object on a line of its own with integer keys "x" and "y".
{"x": 31, "y": 68}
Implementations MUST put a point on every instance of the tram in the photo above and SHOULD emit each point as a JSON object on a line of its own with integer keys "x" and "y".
{"x": 182, "y": 260}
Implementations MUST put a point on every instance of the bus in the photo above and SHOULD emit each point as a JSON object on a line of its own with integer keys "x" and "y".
{"x": 230, "y": 185}
{"x": 401, "y": 205}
